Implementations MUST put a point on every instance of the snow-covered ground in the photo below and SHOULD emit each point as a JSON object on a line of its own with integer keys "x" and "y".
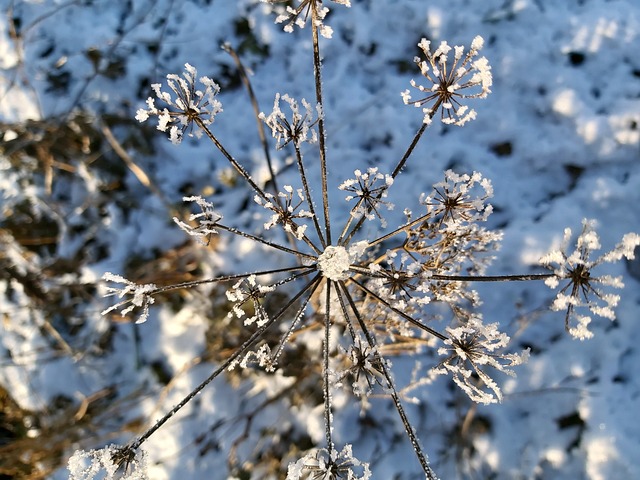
{"x": 559, "y": 137}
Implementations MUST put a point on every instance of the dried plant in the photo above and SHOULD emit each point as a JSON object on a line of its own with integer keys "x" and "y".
{"x": 379, "y": 289}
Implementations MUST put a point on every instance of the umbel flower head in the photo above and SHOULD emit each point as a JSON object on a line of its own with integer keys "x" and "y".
{"x": 471, "y": 347}
{"x": 190, "y": 105}
{"x": 381, "y": 288}
{"x": 580, "y": 287}
{"x": 451, "y": 82}
{"x": 298, "y": 15}
{"x": 329, "y": 465}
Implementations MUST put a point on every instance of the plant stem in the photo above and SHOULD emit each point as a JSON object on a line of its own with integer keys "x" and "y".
{"x": 317, "y": 69}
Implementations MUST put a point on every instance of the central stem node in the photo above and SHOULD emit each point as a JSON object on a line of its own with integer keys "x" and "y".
{"x": 334, "y": 263}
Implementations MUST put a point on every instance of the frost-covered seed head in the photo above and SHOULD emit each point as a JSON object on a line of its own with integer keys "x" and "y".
{"x": 190, "y": 105}
{"x": 581, "y": 287}
{"x": 299, "y": 128}
{"x": 451, "y": 81}
{"x": 298, "y": 15}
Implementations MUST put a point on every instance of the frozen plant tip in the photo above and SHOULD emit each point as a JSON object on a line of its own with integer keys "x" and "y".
{"x": 206, "y": 220}
{"x": 581, "y": 287}
{"x": 451, "y": 82}
{"x": 141, "y": 296}
{"x": 109, "y": 463}
{"x": 369, "y": 188}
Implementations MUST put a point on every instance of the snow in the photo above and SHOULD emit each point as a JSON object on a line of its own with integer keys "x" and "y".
{"x": 558, "y": 137}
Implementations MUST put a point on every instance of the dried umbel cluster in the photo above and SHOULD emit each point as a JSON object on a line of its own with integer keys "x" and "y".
{"x": 380, "y": 290}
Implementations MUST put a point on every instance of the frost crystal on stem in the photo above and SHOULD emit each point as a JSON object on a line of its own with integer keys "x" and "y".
{"x": 452, "y": 200}
{"x": 576, "y": 268}
{"x": 334, "y": 263}
{"x": 245, "y": 290}
{"x": 449, "y": 81}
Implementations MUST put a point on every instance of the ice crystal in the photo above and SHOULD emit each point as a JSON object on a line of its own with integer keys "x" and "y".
{"x": 334, "y": 263}
{"x": 298, "y": 16}
{"x": 452, "y": 199}
{"x": 287, "y": 213}
{"x": 249, "y": 290}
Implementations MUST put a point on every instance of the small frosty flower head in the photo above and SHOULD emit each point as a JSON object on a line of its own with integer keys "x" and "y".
{"x": 141, "y": 296}
{"x": 206, "y": 220}
{"x": 107, "y": 464}
{"x": 190, "y": 105}
{"x": 299, "y": 129}
{"x": 329, "y": 465}
{"x": 298, "y": 16}
{"x": 580, "y": 289}
{"x": 469, "y": 349}
{"x": 365, "y": 367}
{"x": 248, "y": 289}
{"x": 369, "y": 188}
{"x": 452, "y": 200}
{"x": 286, "y": 211}
{"x": 451, "y": 81}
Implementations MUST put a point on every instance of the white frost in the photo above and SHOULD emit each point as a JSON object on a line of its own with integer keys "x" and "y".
{"x": 334, "y": 263}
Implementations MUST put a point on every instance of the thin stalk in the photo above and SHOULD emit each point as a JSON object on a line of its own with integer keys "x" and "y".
{"x": 239, "y": 168}
{"x": 466, "y": 278}
{"x": 408, "y": 318}
{"x": 243, "y": 348}
{"x": 347, "y": 319}
{"x": 398, "y": 230}
{"x": 396, "y": 171}
{"x": 256, "y": 110}
{"x": 325, "y": 368}
{"x": 317, "y": 70}
{"x": 409, "y": 151}
{"x": 422, "y": 458}
{"x": 226, "y": 278}
{"x": 493, "y": 278}
{"x": 285, "y": 337}
{"x": 341, "y": 240}
{"x": 307, "y": 192}
{"x": 271, "y": 244}
{"x": 244, "y": 174}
